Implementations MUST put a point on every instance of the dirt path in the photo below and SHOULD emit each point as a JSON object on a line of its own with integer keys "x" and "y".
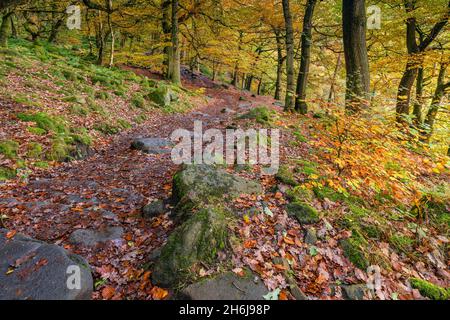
{"x": 110, "y": 188}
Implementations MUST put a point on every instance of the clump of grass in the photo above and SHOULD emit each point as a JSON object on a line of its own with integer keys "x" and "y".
{"x": 9, "y": 148}
{"x": 35, "y": 150}
{"x": 45, "y": 121}
{"x": 261, "y": 115}
{"x": 138, "y": 101}
{"x": 402, "y": 243}
{"x": 7, "y": 173}
{"x": 37, "y": 131}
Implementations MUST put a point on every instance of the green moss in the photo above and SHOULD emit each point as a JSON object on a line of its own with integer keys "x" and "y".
{"x": 300, "y": 137}
{"x": 42, "y": 164}
{"x": 9, "y": 148}
{"x": 107, "y": 128}
{"x": 59, "y": 151}
{"x": 103, "y": 95}
{"x": 37, "y": 131}
{"x": 372, "y": 231}
{"x": 198, "y": 240}
{"x": 82, "y": 136}
{"x": 35, "y": 150}
{"x": 306, "y": 167}
{"x": 299, "y": 194}
{"x": 286, "y": 176}
{"x": 402, "y": 243}
{"x": 138, "y": 101}
{"x": 45, "y": 121}
{"x": 262, "y": 115}
{"x": 328, "y": 193}
{"x": 429, "y": 290}
{"x": 7, "y": 173}
{"x": 304, "y": 213}
{"x": 124, "y": 124}
{"x": 79, "y": 110}
{"x": 353, "y": 248}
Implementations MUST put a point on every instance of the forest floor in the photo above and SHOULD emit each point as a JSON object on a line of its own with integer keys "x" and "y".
{"x": 112, "y": 185}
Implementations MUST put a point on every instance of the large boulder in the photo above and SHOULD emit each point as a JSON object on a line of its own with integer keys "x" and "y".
{"x": 199, "y": 239}
{"x": 163, "y": 96}
{"x": 152, "y": 145}
{"x": 227, "y": 286}
{"x": 203, "y": 184}
{"x": 34, "y": 270}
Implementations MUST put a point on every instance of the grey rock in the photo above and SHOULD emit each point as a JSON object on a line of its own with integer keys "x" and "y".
{"x": 34, "y": 270}
{"x": 152, "y": 145}
{"x": 154, "y": 209}
{"x": 355, "y": 292}
{"x": 163, "y": 96}
{"x": 311, "y": 236}
{"x": 227, "y": 286}
{"x": 91, "y": 238}
{"x": 203, "y": 182}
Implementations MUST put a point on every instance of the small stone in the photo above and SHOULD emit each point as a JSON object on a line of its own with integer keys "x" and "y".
{"x": 91, "y": 237}
{"x": 153, "y": 209}
{"x": 355, "y": 292}
{"x": 311, "y": 236}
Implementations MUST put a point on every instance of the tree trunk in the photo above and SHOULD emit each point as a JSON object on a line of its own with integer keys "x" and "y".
{"x": 112, "y": 34}
{"x": 280, "y": 62}
{"x": 441, "y": 89}
{"x": 302, "y": 82}
{"x": 165, "y": 5}
{"x": 356, "y": 59}
{"x": 4, "y": 29}
{"x": 55, "y": 30}
{"x": 290, "y": 87}
{"x": 418, "y": 105}
{"x": 14, "y": 33}
{"x": 333, "y": 81}
{"x": 175, "y": 65}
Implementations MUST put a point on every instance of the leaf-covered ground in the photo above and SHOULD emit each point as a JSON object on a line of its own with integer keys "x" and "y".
{"x": 363, "y": 185}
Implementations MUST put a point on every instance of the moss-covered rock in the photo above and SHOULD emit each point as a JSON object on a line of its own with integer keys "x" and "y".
{"x": 262, "y": 115}
{"x": 163, "y": 96}
{"x": 429, "y": 290}
{"x": 353, "y": 248}
{"x": 45, "y": 122}
{"x": 304, "y": 213}
{"x": 198, "y": 240}
{"x": 202, "y": 184}
{"x": 286, "y": 176}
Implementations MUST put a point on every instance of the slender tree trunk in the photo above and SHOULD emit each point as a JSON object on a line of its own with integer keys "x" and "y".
{"x": 175, "y": 70}
{"x": 418, "y": 105}
{"x": 249, "y": 82}
{"x": 441, "y": 89}
{"x": 260, "y": 85}
{"x": 55, "y": 30}
{"x": 165, "y": 6}
{"x": 113, "y": 39}
{"x": 14, "y": 33}
{"x": 356, "y": 58}
{"x": 290, "y": 86}
{"x": 4, "y": 29}
{"x": 333, "y": 81}
{"x": 302, "y": 82}
{"x": 280, "y": 62}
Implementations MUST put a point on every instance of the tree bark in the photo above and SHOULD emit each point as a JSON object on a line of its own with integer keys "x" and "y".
{"x": 441, "y": 89}
{"x": 356, "y": 59}
{"x": 414, "y": 57}
{"x": 418, "y": 104}
{"x": 333, "y": 81}
{"x": 302, "y": 82}
{"x": 280, "y": 62}
{"x": 175, "y": 65}
{"x": 111, "y": 32}
{"x": 4, "y": 29}
{"x": 165, "y": 5}
{"x": 290, "y": 87}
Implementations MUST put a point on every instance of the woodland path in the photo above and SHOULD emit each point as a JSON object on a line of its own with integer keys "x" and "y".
{"x": 109, "y": 189}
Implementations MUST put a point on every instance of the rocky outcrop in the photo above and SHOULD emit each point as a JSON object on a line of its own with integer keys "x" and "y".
{"x": 305, "y": 214}
{"x": 163, "y": 96}
{"x": 201, "y": 193}
{"x": 35, "y": 270}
